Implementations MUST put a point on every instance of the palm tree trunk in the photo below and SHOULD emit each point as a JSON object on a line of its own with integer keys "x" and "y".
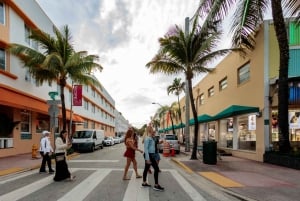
{"x": 173, "y": 129}
{"x": 281, "y": 34}
{"x": 180, "y": 113}
{"x": 63, "y": 104}
{"x": 195, "y": 142}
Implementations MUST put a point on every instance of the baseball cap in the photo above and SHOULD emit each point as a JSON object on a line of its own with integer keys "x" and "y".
{"x": 45, "y": 132}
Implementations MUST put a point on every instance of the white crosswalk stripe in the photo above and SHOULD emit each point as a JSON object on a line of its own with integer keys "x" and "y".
{"x": 79, "y": 193}
{"x": 134, "y": 190}
{"x": 194, "y": 195}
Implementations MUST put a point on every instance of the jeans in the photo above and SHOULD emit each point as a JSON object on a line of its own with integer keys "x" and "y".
{"x": 155, "y": 167}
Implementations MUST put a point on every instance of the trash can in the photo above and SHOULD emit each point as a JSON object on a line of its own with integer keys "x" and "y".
{"x": 210, "y": 152}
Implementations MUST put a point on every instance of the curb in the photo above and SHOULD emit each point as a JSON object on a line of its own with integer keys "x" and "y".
{"x": 15, "y": 170}
{"x": 186, "y": 168}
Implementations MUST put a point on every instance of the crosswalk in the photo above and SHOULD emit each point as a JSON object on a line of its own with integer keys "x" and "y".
{"x": 90, "y": 182}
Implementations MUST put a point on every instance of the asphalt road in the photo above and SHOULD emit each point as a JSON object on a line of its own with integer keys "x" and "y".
{"x": 99, "y": 177}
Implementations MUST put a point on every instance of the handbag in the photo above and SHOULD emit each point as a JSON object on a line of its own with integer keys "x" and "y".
{"x": 60, "y": 157}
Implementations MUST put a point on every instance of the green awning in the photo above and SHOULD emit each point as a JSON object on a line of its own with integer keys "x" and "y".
{"x": 202, "y": 119}
{"x": 235, "y": 110}
{"x": 181, "y": 125}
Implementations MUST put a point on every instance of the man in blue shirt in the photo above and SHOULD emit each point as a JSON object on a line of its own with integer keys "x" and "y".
{"x": 149, "y": 153}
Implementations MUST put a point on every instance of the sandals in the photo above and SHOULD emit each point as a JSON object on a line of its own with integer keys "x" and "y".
{"x": 126, "y": 178}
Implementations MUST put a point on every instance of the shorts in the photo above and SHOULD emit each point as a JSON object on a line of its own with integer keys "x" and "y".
{"x": 157, "y": 156}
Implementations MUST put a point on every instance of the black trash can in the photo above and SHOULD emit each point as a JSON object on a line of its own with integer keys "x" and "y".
{"x": 210, "y": 152}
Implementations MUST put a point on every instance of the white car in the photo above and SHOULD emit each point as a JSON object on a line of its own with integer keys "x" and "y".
{"x": 108, "y": 141}
{"x": 117, "y": 140}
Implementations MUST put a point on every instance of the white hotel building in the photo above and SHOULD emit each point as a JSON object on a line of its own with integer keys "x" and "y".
{"x": 23, "y": 103}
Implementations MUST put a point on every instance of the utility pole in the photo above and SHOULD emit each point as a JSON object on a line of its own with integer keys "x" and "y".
{"x": 187, "y": 100}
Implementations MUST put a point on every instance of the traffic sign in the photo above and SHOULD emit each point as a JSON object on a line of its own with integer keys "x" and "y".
{"x": 53, "y": 102}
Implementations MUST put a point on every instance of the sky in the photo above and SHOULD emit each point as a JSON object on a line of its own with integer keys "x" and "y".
{"x": 124, "y": 34}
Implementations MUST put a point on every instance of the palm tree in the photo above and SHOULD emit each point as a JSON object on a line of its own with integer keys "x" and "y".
{"x": 156, "y": 123}
{"x": 177, "y": 87}
{"x": 247, "y": 17}
{"x": 188, "y": 53}
{"x": 57, "y": 61}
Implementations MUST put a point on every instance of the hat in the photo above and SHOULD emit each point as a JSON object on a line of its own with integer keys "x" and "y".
{"x": 45, "y": 132}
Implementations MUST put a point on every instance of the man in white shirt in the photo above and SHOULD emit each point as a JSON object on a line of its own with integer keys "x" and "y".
{"x": 46, "y": 150}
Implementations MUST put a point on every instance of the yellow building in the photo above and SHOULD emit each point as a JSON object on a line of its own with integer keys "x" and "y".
{"x": 235, "y": 104}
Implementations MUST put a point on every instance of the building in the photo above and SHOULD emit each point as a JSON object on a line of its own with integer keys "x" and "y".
{"x": 23, "y": 103}
{"x": 237, "y": 103}
{"x": 122, "y": 124}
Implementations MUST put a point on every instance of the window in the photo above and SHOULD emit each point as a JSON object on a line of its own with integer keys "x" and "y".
{"x": 85, "y": 124}
{"x": 27, "y": 76}
{"x": 25, "y": 122}
{"x": 247, "y": 132}
{"x": 201, "y": 99}
{"x": 226, "y": 133}
{"x": 93, "y": 108}
{"x": 2, "y": 59}
{"x": 244, "y": 73}
{"x": 86, "y": 104}
{"x": 211, "y": 91}
{"x": 2, "y": 13}
{"x": 223, "y": 84}
{"x": 27, "y": 34}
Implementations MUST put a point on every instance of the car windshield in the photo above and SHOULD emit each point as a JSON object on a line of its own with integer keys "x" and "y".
{"x": 171, "y": 137}
{"x": 107, "y": 138}
{"x": 82, "y": 134}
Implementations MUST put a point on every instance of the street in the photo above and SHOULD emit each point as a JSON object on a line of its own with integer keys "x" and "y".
{"x": 99, "y": 177}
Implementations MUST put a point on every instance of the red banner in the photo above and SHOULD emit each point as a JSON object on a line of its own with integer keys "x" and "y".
{"x": 77, "y": 95}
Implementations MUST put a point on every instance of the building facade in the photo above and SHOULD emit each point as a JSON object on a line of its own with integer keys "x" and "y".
{"x": 237, "y": 103}
{"x": 23, "y": 102}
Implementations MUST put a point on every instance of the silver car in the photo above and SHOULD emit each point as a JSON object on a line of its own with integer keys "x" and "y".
{"x": 108, "y": 141}
{"x": 172, "y": 140}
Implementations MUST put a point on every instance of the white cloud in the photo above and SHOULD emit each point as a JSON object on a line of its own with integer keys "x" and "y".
{"x": 124, "y": 33}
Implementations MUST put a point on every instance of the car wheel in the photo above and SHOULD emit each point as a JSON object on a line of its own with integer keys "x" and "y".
{"x": 93, "y": 148}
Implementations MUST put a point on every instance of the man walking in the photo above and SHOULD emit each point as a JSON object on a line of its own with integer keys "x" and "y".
{"x": 45, "y": 150}
{"x": 149, "y": 150}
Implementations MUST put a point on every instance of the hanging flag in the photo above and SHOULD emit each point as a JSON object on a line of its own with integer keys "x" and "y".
{"x": 77, "y": 95}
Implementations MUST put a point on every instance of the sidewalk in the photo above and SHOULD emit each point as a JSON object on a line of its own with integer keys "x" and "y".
{"x": 21, "y": 163}
{"x": 247, "y": 178}
{"x": 241, "y": 177}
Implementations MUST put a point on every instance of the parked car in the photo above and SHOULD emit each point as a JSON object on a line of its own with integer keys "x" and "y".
{"x": 88, "y": 140}
{"x": 172, "y": 139}
{"x": 117, "y": 140}
{"x": 108, "y": 141}
{"x": 122, "y": 138}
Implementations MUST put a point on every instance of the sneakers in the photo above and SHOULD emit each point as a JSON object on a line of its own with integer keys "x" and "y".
{"x": 158, "y": 188}
{"x": 43, "y": 172}
{"x": 146, "y": 185}
{"x": 51, "y": 172}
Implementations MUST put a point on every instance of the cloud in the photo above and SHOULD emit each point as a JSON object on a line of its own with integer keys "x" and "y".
{"x": 124, "y": 33}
